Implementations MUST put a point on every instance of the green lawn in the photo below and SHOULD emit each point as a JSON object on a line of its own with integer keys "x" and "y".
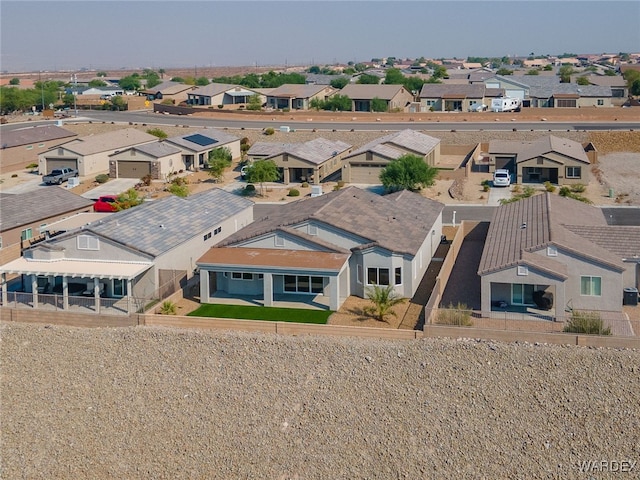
{"x": 274, "y": 314}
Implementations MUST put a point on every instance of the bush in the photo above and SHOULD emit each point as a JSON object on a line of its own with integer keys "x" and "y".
{"x": 221, "y": 106}
{"x": 578, "y": 188}
{"x": 102, "y": 178}
{"x": 32, "y": 166}
{"x": 459, "y": 315}
{"x": 269, "y": 131}
{"x": 15, "y": 175}
{"x": 294, "y": 192}
{"x": 248, "y": 191}
{"x": 549, "y": 187}
{"x": 168, "y": 308}
{"x": 146, "y": 180}
{"x": 157, "y": 132}
{"x": 588, "y": 323}
{"x": 304, "y": 185}
{"x": 340, "y": 183}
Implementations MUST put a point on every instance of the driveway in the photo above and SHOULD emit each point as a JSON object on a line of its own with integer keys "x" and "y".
{"x": 115, "y": 186}
{"x": 498, "y": 193}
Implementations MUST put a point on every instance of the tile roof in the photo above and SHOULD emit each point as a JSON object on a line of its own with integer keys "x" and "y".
{"x": 24, "y": 208}
{"x": 368, "y": 92}
{"x": 29, "y": 135}
{"x": 157, "y": 149}
{"x": 517, "y": 229}
{"x": 268, "y": 257}
{"x": 406, "y": 139}
{"x": 526, "y": 150}
{"x": 105, "y": 142}
{"x": 296, "y": 90}
{"x": 318, "y": 150}
{"x": 169, "y": 88}
{"x": 158, "y": 226}
{"x": 267, "y": 148}
{"x": 623, "y": 241}
{"x": 398, "y": 222}
{"x": 221, "y": 138}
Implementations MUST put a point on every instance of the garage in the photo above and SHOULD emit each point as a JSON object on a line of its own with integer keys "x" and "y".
{"x": 53, "y": 163}
{"x": 129, "y": 169}
{"x": 365, "y": 173}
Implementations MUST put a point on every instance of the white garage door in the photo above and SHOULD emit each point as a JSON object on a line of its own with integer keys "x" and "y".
{"x": 133, "y": 169}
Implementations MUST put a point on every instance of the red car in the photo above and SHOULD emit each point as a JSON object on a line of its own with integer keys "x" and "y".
{"x": 106, "y": 203}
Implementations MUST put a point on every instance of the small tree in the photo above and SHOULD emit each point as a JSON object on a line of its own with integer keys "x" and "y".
{"x": 504, "y": 71}
{"x": 14, "y": 81}
{"x": 408, "y": 172}
{"x": 582, "y": 81}
{"x": 384, "y": 298}
{"x": 339, "y": 82}
{"x": 378, "y": 105}
{"x": 128, "y": 199}
{"x": 254, "y": 103}
{"x": 261, "y": 172}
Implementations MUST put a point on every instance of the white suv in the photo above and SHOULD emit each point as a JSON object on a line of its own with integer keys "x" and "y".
{"x": 501, "y": 178}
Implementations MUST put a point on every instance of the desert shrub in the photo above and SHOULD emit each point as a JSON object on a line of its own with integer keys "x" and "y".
{"x": 459, "y": 315}
{"x": 178, "y": 189}
{"x": 146, "y": 180}
{"x": 549, "y": 187}
{"x": 269, "y": 131}
{"x": 485, "y": 183}
{"x": 304, "y": 185}
{"x": 102, "y": 178}
{"x": 168, "y": 308}
{"x": 294, "y": 192}
{"x": 585, "y": 322}
{"x": 220, "y": 106}
{"x": 15, "y": 175}
{"x": 486, "y": 187}
{"x": 340, "y": 183}
{"x": 33, "y": 167}
{"x": 157, "y": 132}
{"x": 578, "y": 188}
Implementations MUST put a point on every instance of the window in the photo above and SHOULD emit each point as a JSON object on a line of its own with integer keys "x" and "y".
{"x": 562, "y": 103}
{"x": 540, "y": 161}
{"x": 42, "y": 228}
{"x": 26, "y": 234}
{"x": 359, "y": 273}
{"x": 398, "y": 276}
{"x": 217, "y": 230}
{"x": 41, "y": 145}
{"x": 573, "y": 172}
{"x": 600, "y": 102}
{"x": 377, "y": 276}
{"x": 523, "y": 270}
{"x": 591, "y": 286}
{"x": 552, "y": 251}
{"x": 207, "y": 236}
{"x": 88, "y": 242}
{"x": 313, "y": 230}
{"x": 29, "y": 147}
{"x": 279, "y": 241}
{"x": 303, "y": 284}
{"x": 242, "y": 275}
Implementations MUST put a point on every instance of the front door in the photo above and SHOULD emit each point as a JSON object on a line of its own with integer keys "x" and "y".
{"x": 119, "y": 287}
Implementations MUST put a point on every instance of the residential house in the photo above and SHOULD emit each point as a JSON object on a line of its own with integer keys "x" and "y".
{"x": 441, "y": 97}
{"x": 169, "y": 90}
{"x": 326, "y": 248}
{"x": 617, "y": 83}
{"x": 298, "y": 96}
{"x": 25, "y": 216}
{"x": 158, "y": 160}
{"x": 196, "y": 147}
{"x": 90, "y": 154}
{"x": 20, "y": 147}
{"x": 557, "y": 247}
{"x": 396, "y": 97}
{"x": 365, "y": 164}
{"x": 127, "y": 259}
{"x": 216, "y": 94}
{"x": 322, "y": 79}
{"x": 557, "y": 160}
{"x": 313, "y": 161}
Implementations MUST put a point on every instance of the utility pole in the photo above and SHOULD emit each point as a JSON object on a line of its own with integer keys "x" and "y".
{"x": 41, "y": 90}
{"x": 75, "y": 93}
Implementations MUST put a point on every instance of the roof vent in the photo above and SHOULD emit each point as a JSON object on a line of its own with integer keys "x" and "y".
{"x": 524, "y": 225}
{"x": 161, "y": 225}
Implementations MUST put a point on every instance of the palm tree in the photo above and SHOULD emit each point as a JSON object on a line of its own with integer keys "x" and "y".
{"x": 384, "y": 298}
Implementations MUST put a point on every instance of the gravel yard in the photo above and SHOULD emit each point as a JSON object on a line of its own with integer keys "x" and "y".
{"x": 164, "y": 404}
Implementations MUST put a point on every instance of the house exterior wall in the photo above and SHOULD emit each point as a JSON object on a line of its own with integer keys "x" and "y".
{"x": 400, "y": 101}
{"x": 87, "y": 165}
{"x": 595, "y": 102}
{"x": 18, "y": 157}
{"x": 559, "y": 162}
{"x": 163, "y": 166}
{"x": 107, "y": 250}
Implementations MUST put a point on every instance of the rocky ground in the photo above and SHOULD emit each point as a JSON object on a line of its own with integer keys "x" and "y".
{"x": 162, "y": 403}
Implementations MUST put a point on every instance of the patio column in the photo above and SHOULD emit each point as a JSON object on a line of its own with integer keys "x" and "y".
{"x": 204, "y": 285}
{"x": 129, "y": 293}
{"x": 287, "y": 175}
{"x": 3, "y": 279}
{"x": 334, "y": 293}
{"x": 34, "y": 290}
{"x": 316, "y": 176}
{"x": 96, "y": 293}
{"x": 268, "y": 289}
{"x": 65, "y": 293}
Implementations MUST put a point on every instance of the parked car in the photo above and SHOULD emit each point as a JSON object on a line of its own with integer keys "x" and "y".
{"x": 106, "y": 203}
{"x": 59, "y": 175}
{"x": 501, "y": 178}
{"x": 243, "y": 171}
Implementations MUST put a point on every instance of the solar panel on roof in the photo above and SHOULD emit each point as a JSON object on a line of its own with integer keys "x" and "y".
{"x": 201, "y": 140}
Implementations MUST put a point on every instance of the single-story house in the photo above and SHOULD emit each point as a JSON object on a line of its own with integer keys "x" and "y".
{"x": 90, "y": 154}
{"x": 157, "y": 159}
{"x": 298, "y": 96}
{"x": 168, "y": 90}
{"x": 106, "y": 90}
{"x": 326, "y": 248}
{"x": 216, "y": 94}
{"x": 20, "y": 147}
{"x": 559, "y": 248}
{"x": 24, "y": 216}
{"x": 444, "y": 97}
{"x": 130, "y": 257}
{"x": 365, "y": 164}
{"x": 196, "y": 147}
{"x": 396, "y": 97}
{"x": 313, "y": 161}
{"x": 617, "y": 83}
{"x": 554, "y": 159}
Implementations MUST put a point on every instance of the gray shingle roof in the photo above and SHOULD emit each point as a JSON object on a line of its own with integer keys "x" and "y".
{"x": 25, "y": 208}
{"x": 551, "y": 143}
{"x": 158, "y": 149}
{"x": 214, "y": 89}
{"x": 29, "y": 135}
{"x": 408, "y": 139}
{"x": 295, "y": 90}
{"x": 168, "y": 88}
{"x": 368, "y": 92}
{"x": 267, "y": 148}
{"x": 157, "y": 227}
{"x": 221, "y": 138}
{"x": 437, "y": 90}
{"x": 318, "y": 150}
{"x": 398, "y": 222}
{"x": 520, "y": 228}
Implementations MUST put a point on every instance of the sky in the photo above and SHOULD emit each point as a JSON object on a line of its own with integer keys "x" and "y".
{"x": 108, "y": 35}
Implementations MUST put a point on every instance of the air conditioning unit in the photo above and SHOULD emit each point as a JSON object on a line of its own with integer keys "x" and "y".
{"x": 316, "y": 190}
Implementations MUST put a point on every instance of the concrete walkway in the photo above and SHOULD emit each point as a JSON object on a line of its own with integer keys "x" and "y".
{"x": 115, "y": 186}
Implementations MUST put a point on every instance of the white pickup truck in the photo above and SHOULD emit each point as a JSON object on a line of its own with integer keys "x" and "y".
{"x": 59, "y": 175}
